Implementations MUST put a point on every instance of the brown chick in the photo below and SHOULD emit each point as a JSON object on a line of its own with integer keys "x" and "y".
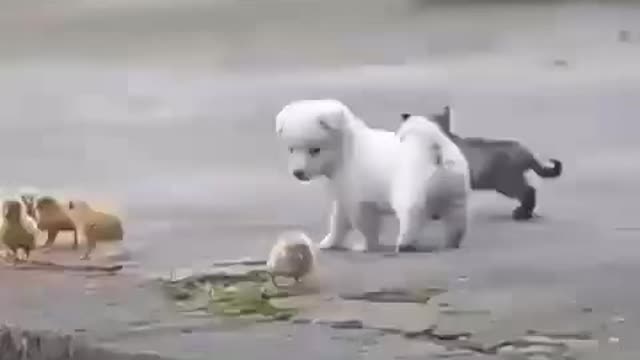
{"x": 95, "y": 225}
{"x": 13, "y": 233}
{"x": 50, "y": 217}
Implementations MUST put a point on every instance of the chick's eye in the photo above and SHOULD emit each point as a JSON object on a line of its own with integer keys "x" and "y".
{"x": 314, "y": 151}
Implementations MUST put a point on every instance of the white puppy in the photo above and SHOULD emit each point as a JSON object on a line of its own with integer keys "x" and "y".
{"x": 433, "y": 170}
{"x": 325, "y": 139}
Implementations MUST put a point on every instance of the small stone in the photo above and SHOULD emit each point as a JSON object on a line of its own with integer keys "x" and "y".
{"x": 301, "y": 321}
{"x": 613, "y": 340}
{"x": 586, "y": 310}
{"x": 463, "y": 278}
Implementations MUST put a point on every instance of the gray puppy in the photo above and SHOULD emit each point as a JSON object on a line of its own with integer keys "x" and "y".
{"x": 500, "y": 165}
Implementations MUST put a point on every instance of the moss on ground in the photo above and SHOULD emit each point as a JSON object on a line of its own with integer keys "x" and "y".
{"x": 234, "y": 295}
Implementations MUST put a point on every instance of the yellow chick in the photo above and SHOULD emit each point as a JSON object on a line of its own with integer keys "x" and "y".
{"x": 94, "y": 225}
{"x": 16, "y": 231}
{"x": 50, "y": 217}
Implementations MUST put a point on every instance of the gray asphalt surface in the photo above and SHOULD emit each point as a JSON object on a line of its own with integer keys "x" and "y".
{"x": 167, "y": 110}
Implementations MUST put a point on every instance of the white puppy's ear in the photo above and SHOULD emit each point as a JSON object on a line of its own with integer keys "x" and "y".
{"x": 281, "y": 119}
{"x": 334, "y": 120}
{"x": 327, "y": 124}
{"x": 279, "y": 125}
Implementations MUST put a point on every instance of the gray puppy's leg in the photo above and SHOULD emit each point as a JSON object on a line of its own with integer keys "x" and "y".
{"x": 516, "y": 187}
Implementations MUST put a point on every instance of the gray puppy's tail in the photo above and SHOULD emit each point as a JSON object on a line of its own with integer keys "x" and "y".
{"x": 547, "y": 171}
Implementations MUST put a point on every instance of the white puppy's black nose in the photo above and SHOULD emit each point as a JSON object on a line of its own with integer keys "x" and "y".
{"x": 299, "y": 174}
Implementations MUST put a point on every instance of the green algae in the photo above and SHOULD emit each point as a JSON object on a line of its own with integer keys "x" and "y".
{"x": 244, "y": 294}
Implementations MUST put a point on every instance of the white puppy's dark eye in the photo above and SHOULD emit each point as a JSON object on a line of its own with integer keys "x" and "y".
{"x": 314, "y": 151}
{"x": 291, "y": 150}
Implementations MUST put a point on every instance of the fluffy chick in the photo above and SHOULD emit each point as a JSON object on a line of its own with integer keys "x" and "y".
{"x": 94, "y": 225}
{"x": 292, "y": 256}
{"x": 50, "y": 216}
{"x": 17, "y": 232}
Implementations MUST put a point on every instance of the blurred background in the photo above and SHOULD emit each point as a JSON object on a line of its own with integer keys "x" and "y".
{"x": 166, "y": 108}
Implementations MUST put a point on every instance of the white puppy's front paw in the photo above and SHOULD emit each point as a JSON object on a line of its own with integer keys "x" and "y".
{"x": 326, "y": 243}
{"x": 329, "y": 243}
